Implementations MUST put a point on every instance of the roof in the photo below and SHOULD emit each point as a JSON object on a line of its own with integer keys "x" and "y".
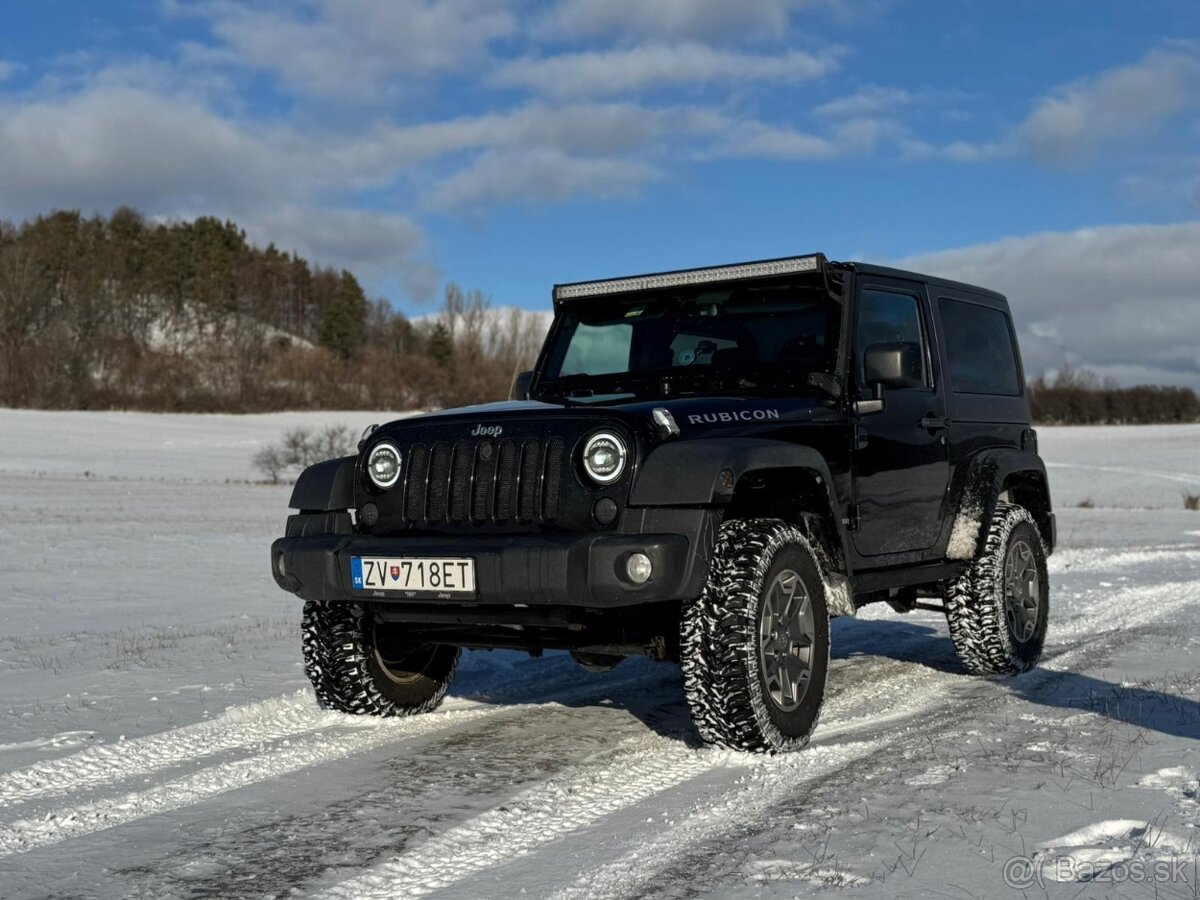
{"x": 888, "y": 272}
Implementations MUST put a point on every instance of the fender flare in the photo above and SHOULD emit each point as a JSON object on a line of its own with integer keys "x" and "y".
{"x": 326, "y": 486}
{"x": 688, "y": 473}
{"x": 979, "y": 480}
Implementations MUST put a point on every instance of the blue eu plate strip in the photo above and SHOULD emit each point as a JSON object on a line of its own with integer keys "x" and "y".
{"x": 356, "y": 577}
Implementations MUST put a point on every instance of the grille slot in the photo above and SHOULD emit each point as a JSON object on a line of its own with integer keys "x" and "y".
{"x": 460, "y": 480}
{"x": 506, "y": 480}
{"x": 414, "y": 488}
{"x": 485, "y": 482}
{"x": 530, "y": 483}
{"x": 439, "y": 483}
{"x": 552, "y": 486}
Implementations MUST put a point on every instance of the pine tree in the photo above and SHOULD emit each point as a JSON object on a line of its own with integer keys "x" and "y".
{"x": 343, "y": 319}
{"x": 441, "y": 346}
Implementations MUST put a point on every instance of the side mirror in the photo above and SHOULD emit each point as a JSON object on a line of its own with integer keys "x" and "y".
{"x": 520, "y": 386}
{"x": 894, "y": 365}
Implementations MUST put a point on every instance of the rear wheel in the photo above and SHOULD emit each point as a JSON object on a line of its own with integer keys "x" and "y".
{"x": 998, "y": 609}
{"x": 755, "y": 645}
{"x": 356, "y": 665}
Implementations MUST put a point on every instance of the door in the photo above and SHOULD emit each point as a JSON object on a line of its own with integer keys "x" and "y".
{"x": 901, "y": 461}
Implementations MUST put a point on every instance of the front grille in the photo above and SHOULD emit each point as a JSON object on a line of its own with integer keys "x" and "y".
{"x": 484, "y": 482}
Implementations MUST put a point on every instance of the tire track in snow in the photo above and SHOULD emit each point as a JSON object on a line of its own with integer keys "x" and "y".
{"x": 29, "y": 834}
{"x": 1178, "y": 477}
{"x": 1127, "y": 608}
{"x": 351, "y": 821}
{"x": 534, "y": 818}
{"x": 771, "y": 782}
{"x": 250, "y": 725}
{"x": 244, "y": 726}
{"x": 563, "y": 806}
{"x": 1111, "y": 613}
{"x": 32, "y": 833}
{"x": 621, "y": 877}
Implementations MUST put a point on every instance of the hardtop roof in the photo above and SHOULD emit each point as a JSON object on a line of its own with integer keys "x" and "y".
{"x": 889, "y": 272}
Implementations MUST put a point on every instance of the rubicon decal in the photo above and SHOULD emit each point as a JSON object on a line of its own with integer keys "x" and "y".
{"x": 736, "y": 415}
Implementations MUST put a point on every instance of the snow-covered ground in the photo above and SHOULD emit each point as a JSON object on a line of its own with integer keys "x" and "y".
{"x": 157, "y": 738}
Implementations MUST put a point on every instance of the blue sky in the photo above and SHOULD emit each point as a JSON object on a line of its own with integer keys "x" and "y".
{"x": 1049, "y": 149}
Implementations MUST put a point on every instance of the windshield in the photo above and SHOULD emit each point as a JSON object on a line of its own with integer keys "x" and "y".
{"x": 765, "y": 336}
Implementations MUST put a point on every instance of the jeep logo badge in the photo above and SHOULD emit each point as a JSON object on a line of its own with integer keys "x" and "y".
{"x": 482, "y": 430}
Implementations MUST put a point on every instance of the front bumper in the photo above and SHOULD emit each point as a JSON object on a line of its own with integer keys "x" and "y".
{"x": 585, "y": 570}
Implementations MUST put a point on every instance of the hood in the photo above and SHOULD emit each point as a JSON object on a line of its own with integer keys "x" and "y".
{"x": 694, "y": 415}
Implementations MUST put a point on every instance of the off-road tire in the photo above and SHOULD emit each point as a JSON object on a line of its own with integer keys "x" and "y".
{"x": 344, "y": 651}
{"x": 975, "y": 601}
{"x": 723, "y": 669}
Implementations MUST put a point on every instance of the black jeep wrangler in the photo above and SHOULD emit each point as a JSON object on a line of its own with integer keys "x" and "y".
{"x": 704, "y": 467}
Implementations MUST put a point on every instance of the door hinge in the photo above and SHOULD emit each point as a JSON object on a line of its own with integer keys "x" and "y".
{"x": 851, "y": 519}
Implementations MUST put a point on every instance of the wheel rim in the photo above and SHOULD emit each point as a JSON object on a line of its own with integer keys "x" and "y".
{"x": 1022, "y": 590}
{"x": 786, "y": 633}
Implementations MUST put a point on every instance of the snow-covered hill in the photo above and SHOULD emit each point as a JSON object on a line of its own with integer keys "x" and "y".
{"x": 157, "y": 738}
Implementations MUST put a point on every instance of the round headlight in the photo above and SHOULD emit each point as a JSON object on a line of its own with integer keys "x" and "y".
{"x": 383, "y": 465}
{"x": 604, "y": 457}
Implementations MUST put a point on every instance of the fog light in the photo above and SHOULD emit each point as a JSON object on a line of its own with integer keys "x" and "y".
{"x": 638, "y": 568}
{"x": 280, "y": 566}
{"x": 369, "y": 514}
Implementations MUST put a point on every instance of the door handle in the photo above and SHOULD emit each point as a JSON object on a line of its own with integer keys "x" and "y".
{"x": 935, "y": 423}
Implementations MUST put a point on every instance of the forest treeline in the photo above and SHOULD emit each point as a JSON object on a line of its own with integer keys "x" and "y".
{"x": 123, "y": 312}
{"x": 1080, "y": 397}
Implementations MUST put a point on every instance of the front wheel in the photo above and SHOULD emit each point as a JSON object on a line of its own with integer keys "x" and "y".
{"x": 357, "y": 665}
{"x": 998, "y": 608}
{"x": 755, "y": 645}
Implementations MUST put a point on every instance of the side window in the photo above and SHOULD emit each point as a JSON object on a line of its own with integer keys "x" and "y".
{"x": 598, "y": 350}
{"x": 979, "y": 343}
{"x": 887, "y": 317}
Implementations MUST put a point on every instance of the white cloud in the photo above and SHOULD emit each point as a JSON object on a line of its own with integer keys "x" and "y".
{"x": 867, "y": 100}
{"x": 351, "y": 48}
{"x": 670, "y": 18}
{"x": 598, "y": 73}
{"x": 543, "y": 175}
{"x": 956, "y": 151}
{"x": 125, "y": 145}
{"x": 714, "y": 20}
{"x": 1125, "y": 102}
{"x": 173, "y": 156}
{"x": 1121, "y": 300}
{"x": 380, "y": 247}
{"x": 7, "y": 69}
{"x": 760, "y": 140}
{"x": 1073, "y": 122}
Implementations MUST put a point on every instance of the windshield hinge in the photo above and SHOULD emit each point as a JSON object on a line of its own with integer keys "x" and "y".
{"x": 851, "y": 519}
{"x": 830, "y": 384}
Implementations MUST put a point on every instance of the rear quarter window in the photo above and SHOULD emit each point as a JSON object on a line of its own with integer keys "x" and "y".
{"x": 981, "y": 349}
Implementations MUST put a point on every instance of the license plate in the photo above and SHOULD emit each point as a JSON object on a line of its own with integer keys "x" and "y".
{"x": 412, "y": 576}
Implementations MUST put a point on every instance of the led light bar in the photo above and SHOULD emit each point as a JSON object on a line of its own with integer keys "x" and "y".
{"x": 786, "y": 266}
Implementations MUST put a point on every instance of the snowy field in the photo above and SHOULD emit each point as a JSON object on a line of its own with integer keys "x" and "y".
{"x": 157, "y": 737}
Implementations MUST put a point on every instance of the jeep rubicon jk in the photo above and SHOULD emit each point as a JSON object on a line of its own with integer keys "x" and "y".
{"x": 704, "y": 467}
